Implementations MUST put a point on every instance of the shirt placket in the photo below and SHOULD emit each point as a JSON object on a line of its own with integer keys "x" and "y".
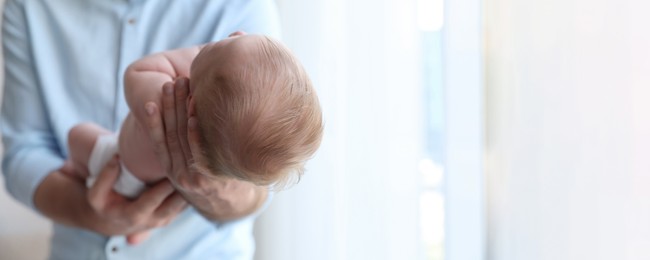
{"x": 115, "y": 248}
{"x": 129, "y": 50}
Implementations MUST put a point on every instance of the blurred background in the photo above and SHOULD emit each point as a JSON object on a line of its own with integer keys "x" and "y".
{"x": 459, "y": 129}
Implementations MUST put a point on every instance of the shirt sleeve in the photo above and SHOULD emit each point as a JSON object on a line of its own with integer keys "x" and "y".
{"x": 30, "y": 149}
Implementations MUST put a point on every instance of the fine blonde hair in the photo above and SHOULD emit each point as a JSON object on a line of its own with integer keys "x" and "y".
{"x": 261, "y": 122}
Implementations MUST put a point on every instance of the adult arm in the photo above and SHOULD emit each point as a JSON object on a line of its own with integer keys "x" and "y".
{"x": 32, "y": 163}
{"x": 67, "y": 201}
{"x": 176, "y": 141}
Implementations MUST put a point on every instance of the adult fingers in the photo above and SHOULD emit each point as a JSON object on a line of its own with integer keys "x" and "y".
{"x": 69, "y": 170}
{"x": 194, "y": 140}
{"x": 181, "y": 92}
{"x": 137, "y": 238}
{"x": 172, "y": 206}
{"x": 171, "y": 130}
{"x": 68, "y": 167}
{"x": 99, "y": 192}
{"x": 151, "y": 199}
{"x": 157, "y": 135}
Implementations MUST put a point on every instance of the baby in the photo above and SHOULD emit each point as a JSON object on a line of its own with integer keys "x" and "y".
{"x": 258, "y": 115}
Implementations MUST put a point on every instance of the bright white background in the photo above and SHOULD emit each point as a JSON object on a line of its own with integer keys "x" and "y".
{"x": 568, "y": 120}
{"x": 23, "y": 234}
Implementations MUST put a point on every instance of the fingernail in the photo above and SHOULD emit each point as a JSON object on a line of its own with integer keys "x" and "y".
{"x": 167, "y": 88}
{"x": 150, "y": 109}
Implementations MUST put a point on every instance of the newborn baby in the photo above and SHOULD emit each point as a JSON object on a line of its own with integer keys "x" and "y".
{"x": 258, "y": 115}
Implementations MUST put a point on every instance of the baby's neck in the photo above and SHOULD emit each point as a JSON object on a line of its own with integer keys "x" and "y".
{"x": 136, "y": 152}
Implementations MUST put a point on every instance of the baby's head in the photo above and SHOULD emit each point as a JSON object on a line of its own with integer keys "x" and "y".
{"x": 257, "y": 111}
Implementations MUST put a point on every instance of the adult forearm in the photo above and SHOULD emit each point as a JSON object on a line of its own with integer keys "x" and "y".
{"x": 63, "y": 199}
{"x": 66, "y": 200}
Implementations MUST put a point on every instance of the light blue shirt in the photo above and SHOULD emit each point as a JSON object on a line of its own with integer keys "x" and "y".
{"x": 64, "y": 62}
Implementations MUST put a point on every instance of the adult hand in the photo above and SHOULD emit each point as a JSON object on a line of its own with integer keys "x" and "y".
{"x": 64, "y": 198}
{"x": 176, "y": 140}
{"x": 117, "y": 215}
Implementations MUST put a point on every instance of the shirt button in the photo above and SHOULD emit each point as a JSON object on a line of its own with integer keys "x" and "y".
{"x": 131, "y": 21}
{"x": 114, "y": 249}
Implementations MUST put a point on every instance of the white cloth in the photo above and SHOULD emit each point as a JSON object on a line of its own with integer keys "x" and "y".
{"x": 104, "y": 149}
